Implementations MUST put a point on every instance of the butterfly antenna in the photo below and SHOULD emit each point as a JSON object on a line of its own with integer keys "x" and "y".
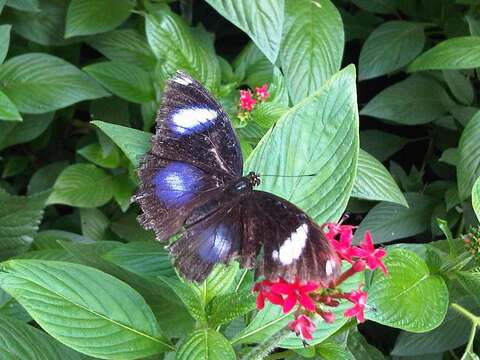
{"x": 286, "y": 176}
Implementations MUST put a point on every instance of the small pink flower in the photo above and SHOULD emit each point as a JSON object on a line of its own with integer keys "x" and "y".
{"x": 264, "y": 293}
{"x": 262, "y": 92}
{"x": 343, "y": 246}
{"x": 294, "y": 292}
{"x": 328, "y": 316}
{"x": 359, "y": 299}
{"x": 371, "y": 255}
{"x": 246, "y": 100}
{"x": 303, "y": 327}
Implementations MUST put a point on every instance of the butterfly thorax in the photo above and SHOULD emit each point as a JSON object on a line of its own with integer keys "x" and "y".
{"x": 246, "y": 183}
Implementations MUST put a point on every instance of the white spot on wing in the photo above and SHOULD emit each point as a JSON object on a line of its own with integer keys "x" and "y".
{"x": 186, "y": 120}
{"x": 292, "y": 248}
{"x": 182, "y": 80}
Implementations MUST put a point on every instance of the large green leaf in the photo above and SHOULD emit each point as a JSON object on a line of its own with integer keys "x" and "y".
{"x": 24, "y": 5}
{"x": 4, "y": 41}
{"x": 8, "y": 111}
{"x": 10, "y": 307}
{"x": 451, "y": 334}
{"x": 381, "y": 144}
{"x": 312, "y": 46}
{"x": 261, "y": 20}
{"x": 134, "y": 143}
{"x": 19, "y": 220}
{"x": 125, "y": 80}
{"x": 205, "y": 344}
{"x": 228, "y": 307}
{"x": 410, "y": 297}
{"x": 176, "y": 49}
{"x": 374, "y": 182}
{"x": 468, "y": 169}
{"x": 387, "y": 221}
{"x": 460, "y": 86}
{"x": 125, "y": 45}
{"x": 13, "y": 133}
{"x": 82, "y": 185}
{"x": 417, "y": 100}
{"x": 476, "y": 198}
{"x": 318, "y": 136}
{"x": 455, "y": 53}
{"x": 39, "y": 83}
{"x": 22, "y": 341}
{"x": 64, "y": 297}
{"x": 86, "y": 17}
{"x": 391, "y": 46}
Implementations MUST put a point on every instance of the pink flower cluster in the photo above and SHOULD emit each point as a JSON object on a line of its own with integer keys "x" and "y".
{"x": 310, "y": 298}
{"x": 248, "y": 100}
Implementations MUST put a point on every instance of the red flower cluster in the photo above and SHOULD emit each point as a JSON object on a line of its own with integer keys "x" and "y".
{"x": 248, "y": 100}
{"x": 310, "y": 298}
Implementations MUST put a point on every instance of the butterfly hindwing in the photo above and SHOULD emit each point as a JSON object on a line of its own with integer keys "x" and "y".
{"x": 293, "y": 244}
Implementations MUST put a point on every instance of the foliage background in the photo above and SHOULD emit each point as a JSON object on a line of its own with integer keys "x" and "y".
{"x": 80, "y": 82}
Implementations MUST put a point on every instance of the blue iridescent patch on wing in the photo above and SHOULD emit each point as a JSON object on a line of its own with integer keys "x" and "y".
{"x": 189, "y": 120}
{"x": 177, "y": 183}
{"x": 216, "y": 243}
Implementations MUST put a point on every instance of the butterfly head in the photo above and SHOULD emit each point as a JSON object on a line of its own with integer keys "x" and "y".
{"x": 253, "y": 178}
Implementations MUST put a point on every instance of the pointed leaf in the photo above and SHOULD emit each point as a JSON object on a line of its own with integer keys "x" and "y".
{"x": 312, "y": 46}
{"x": 8, "y": 111}
{"x": 261, "y": 20}
{"x": 374, "y": 182}
{"x": 318, "y": 136}
{"x": 389, "y": 47}
{"x": 86, "y": 17}
{"x": 134, "y": 143}
{"x": 82, "y": 185}
{"x": 205, "y": 344}
{"x": 39, "y": 83}
{"x": 455, "y": 53}
{"x": 468, "y": 169}
{"x": 399, "y": 299}
{"x": 119, "y": 321}
{"x": 476, "y": 198}
{"x": 460, "y": 86}
{"x": 4, "y": 41}
{"x": 125, "y": 80}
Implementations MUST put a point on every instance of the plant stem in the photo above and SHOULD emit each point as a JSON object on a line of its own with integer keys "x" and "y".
{"x": 475, "y": 322}
{"x": 263, "y": 349}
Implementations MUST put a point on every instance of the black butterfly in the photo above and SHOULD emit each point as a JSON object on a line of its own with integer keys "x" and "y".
{"x": 191, "y": 180}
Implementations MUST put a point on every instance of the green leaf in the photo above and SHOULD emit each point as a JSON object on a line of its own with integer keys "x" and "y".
{"x": 82, "y": 185}
{"x": 460, "y": 86}
{"x": 228, "y": 307}
{"x": 376, "y": 6}
{"x": 45, "y": 27}
{"x": 123, "y": 189}
{"x": 143, "y": 258}
{"x": 476, "y": 198}
{"x": 417, "y": 100}
{"x": 125, "y": 80}
{"x": 312, "y": 45}
{"x": 8, "y": 111}
{"x": 205, "y": 344}
{"x": 219, "y": 282}
{"x": 94, "y": 153}
{"x": 134, "y": 143}
{"x": 10, "y": 308}
{"x": 470, "y": 281}
{"x": 15, "y": 165}
{"x": 387, "y": 221}
{"x": 390, "y": 47}
{"x": 468, "y": 169}
{"x": 261, "y": 20}
{"x": 32, "y": 126}
{"x": 360, "y": 349}
{"x": 39, "y": 83}
{"x": 24, "y": 5}
{"x": 456, "y": 53}
{"x": 19, "y": 220}
{"x": 94, "y": 224}
{"x": 128, "y": 229}
{"x": 125, "y": 45}
{"x": 120, "y": 322}
{"x": 86, "y": 17}
{"x": 451, "y": 334}
{"x": 174, "y": 46}
{"x": 381, "y": 144}
{"x": 44, "y": 178}
{"x": 319, "y": 136}
{"x": 399, "y": 299}
{"x": 374, "y": 182}
{"x": 4, "y": 41}
{"x": 450, "y": 156}
{"x": 22, "y": 341}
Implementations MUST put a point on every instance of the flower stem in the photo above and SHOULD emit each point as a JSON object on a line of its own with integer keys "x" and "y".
{"x": 263, "y": 349}
{"x": 475, "y": 323}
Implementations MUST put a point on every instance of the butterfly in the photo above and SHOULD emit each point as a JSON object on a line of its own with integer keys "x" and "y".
{"x": 192, "y": 183}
